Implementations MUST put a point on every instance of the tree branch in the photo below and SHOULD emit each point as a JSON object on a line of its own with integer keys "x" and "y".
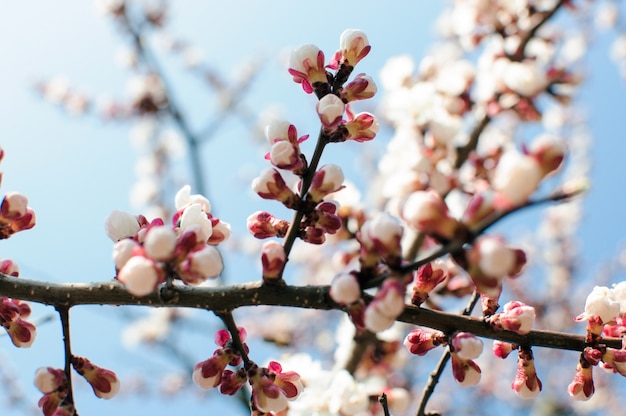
{"x": 256, "y": 294}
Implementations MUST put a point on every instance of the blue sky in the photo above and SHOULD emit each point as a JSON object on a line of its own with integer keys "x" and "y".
{"x": 76, "y": 170}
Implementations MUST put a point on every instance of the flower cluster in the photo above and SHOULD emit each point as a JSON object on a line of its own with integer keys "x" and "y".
{"x": 317, "y": 213}
{"x": 53, "y": 383}
{"x": 272, "y": 387}
{"x": 605, "y": 313}
{"x": 149, "y": 253}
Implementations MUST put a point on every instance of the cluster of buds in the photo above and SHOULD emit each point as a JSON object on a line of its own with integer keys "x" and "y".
{"x": 605, "y": 313}
{"x": 147, "y": 254}
{"x": 53, "y": 383}
{"x": 271, "y": 387}
{"x": 518, "y": 175}
{"x": 147, "y": 94}
{"x": 488, "y": 261}
{"x": 13, "y": 313}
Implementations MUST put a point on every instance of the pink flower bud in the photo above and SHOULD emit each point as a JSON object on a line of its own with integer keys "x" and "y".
{"x": 382, "y": 235}
{"x": 496, "y": 259}
{"x": 285, "y": 155}
{"x": 549, "y": 151}
{"x": 14, "y": 205}
{"x": 354, "y": 46}
{"x": 582, "y": 388}
{"x": 306, "y": 66}
{"x": 287, "y": 381}
{"x": 375, "y": 321}
{"x": 277, "y": 130}
{"x": 362, "y": 127}
{"x": 22, "y": 333}
{"x": 517, "y": 317}
{"x": 479, "y": 208}
{"x": 194, "y": 218}
{"x": 427, "y": 212}
{"x": 221, "y": 232}
{"x": 427, "y": 278}
{"x": 232, "y": 381}
{"x": 345, "y": 289}
{"x": 160, "y": 243}
{"x": 330, "y": 109}
{"x": 120, "y": 225}
{"x": 502, "y": 349}
{"x": 615, "y": 360}
{"x": 104, "y": 383}
{"x": 140, "y": 276}
{"x": 200, "y": 265}
{"x": 123, "y": 251}
{"x": 465, "y": 372}
{"x": 264, "y": 225}
{"x": 329, "y": 178}
{"x": 184, "y": 198}
{"x": 420, "y": 341}
{"x": 273, "y": 259}
{"x": 362, "y": 87}
{"x": 386, "y": 306}
{"x": 9, "y": 267}
{"x": 208, "y": 374}
{"x": 466, "y": 345}
{"x": 266, "y": 395}
{"x": 271, "y": 185}
{"x": 515, "y": 178}
{"x": 526, "y": 384}
{"x": 48, "y": 379}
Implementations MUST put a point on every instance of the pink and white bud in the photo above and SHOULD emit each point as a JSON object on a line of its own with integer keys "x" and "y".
{"x": 516, "y": 317}
{"x": 525, "y": 78}
{"x": 221, "y": 232}
{"x": 582, "y": 388}
{"x": 22, "y": 333}
{"x": 9, "y": 267}
{"x": 329, "y": 178}
{"x": 14, "y": 205}
{"x": 496, "y": 259}
{"x": 345, "y": 289}
{"x": 420, "y": 341}
{"x": 48, "y": 379}
{"x": 104, "y": 383}
{"x": 426, "y": 212}
{"x": 306, "y": 66}
{"x": 208, "y": 374}
{"x": 465, "y": 372}
{"x": 271, "y": 185}
{"x": 479, "y": 208}
{"x": 277, "y": 131}
{"x": 362, "y": 128}
{"x": 466, "y": 345}
{"x": 119, "y": 225}
{"x": 382, "y": 235}
{"x": 330, "y": 109}
{"x": 273, "y": 259}
{"x": 502, "y": 349}
{"x": 515, "y": 178}
{"x": 184, "y": 198}
{"x": 232, "y": 382}
{"x": 427, "y": 278}
{"x": 615, "y": 360}
{"x": 194, "y": 218}
{"x": 123, "y": 251}
{"x": 140, "y": 276}
{"x": 354, "y": 46}
{"x": 200, "y": 265}
{"x": 266, "y": 395}
{"x": 287, "y": 381}
{"x": 160, "y": 243}
{"x": 264, "y": 225}
{"x": 362, "y": 87}
{"x": 549, "y": 151}
{"x": 526, "y": 384}
{"x": 600, "y": 303}
{"x": 386, "y": 306}
{"x": 286, "y": 155}
{"x": 375, "y": 321}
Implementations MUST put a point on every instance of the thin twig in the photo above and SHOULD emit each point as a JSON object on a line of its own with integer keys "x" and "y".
{"x": 231, "y": 326}
{"x": 383, "y": 402}
{"x": 64, "y": 314}
{"x": 429, "y": 389}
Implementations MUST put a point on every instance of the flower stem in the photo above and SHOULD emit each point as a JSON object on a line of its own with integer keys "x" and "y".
{"x": 64, "y": 314}
{"x": 231, "y": 326}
